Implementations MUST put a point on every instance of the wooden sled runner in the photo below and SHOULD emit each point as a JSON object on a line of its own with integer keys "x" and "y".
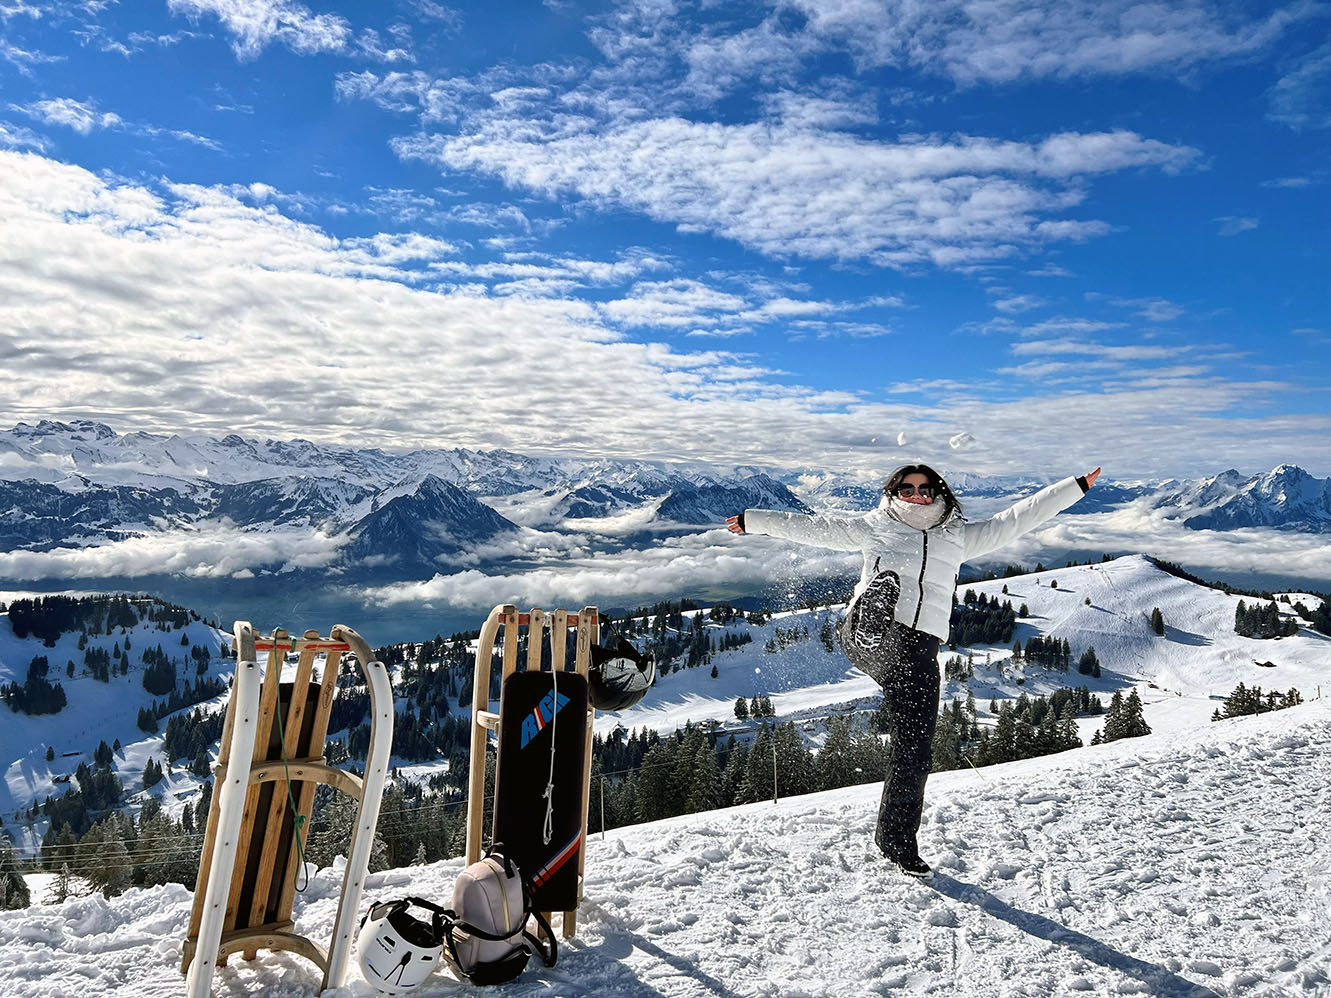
{"x": 271, "y": 759}
{"x": 544, "y": 730}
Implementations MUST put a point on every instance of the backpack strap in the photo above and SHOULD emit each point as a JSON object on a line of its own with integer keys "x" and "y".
{"x": 548, "y": 954}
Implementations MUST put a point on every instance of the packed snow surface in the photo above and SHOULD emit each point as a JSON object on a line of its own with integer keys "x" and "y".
{"x": 1187, "y": 863}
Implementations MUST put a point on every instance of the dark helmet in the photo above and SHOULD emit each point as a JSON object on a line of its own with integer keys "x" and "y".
{"x": 619, "y": 677}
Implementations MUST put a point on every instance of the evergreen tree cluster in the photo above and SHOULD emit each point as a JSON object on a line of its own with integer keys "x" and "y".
{"x": 1089, "y": 663}
{"x": 1262, "y": 621}
{"x": 1124, "y": 719}
{"x": 783, "y": 637}
{"x": 758, "y": 707}
{"x": 1026, "y": 727}
{"x": 37, "y": 695}
{"x": 152, "y": 773}
{"x": 189, "y": 734}
{"x": 979, "y": 620}
{"x": 118, "y": 852}
{"x": 691, "y": 771}
{"x": 1245, "y": 700}
{"x": 159, "y": 673}
{"x": 97, "y": 661}
{"x": 1321, "y": 619}
{"x": 1157, "y": 621}
{"x": 48, "y": 617}
{"x": 1051, "y": 653}
{"x": 958, "y": 669}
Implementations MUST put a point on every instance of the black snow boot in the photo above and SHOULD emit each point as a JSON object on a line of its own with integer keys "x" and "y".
{"x": 913, "y": 866}
{"x": 907, "y": 857}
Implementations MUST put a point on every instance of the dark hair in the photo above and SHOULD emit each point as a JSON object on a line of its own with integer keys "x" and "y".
{"x": 952, "y": 505}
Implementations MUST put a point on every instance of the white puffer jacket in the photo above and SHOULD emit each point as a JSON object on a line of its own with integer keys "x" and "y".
{"x": 927, "y": 560}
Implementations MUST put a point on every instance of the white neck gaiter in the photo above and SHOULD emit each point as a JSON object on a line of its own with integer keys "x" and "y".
{"x": 919, "y": 515}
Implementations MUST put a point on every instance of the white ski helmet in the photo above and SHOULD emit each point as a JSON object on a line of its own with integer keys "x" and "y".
{"x": 396, "y": 950}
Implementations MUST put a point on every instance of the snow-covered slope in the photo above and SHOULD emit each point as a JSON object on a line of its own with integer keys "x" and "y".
{"x": 1182, "y": 865}
{"x": 96, "y": 711}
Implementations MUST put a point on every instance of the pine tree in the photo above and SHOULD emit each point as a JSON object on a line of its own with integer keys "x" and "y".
{"x": 741, "y": 708}
{"x": 834, "y": 766}
{"x": 732, "y": 778}
{"x": 1157, "y": 621}
{"x": 1134, "y": 721}
{"x": 946, "y": 748}
{"x": 62, "y": 887}
{"x": 793, "y": 763}
{"x": 13, "y": 888}
{"x": 1089, "y": 664}
{"x": 654, "y": 785}
{"x": 757, "y": 784}
{"x": 705, "y": 792}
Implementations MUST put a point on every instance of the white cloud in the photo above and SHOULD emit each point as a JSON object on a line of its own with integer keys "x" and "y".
{"x": 185, "y": 308}
{"x": 1007, "y": 40}
{"x": 209, "y": 550}
{"x": 691, "y": 563}
{"x": 24, "y": 59}
{"x": 1103, "y": 350}
{"x": 1232, "y": 225}
{"x": 1050, "y": 270}
{"x": 1302, "y": 98}
{"x": 1150, "y": 309}
{"x": 84, "y": 116}
{"x": 1065, "y": 325}
{"x": 17, "y": 137}
{"x": 1014, "y": 304}
{"x": 81, "y": 116}
{"x": 255, "y": 24}
{"x": 790, "y": 192}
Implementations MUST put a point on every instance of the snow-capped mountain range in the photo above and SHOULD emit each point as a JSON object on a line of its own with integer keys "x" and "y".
{"x": 81, "y": 484}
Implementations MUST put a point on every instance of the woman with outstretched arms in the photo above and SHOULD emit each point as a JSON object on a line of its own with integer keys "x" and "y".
{"x": 913, "y": 544}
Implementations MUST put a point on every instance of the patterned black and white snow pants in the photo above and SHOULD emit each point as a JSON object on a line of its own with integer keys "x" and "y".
{"x": 905, "y": 664}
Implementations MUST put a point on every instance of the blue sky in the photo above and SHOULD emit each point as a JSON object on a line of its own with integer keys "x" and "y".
{"x": 1006, "y": 237}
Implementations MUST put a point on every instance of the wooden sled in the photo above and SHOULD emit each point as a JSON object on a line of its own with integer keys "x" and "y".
{"x": 275, "y": 732}
{"x": 536, "y": 625}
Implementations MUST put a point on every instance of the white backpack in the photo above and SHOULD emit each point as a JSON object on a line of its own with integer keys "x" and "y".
{"x": 486, "y": 929}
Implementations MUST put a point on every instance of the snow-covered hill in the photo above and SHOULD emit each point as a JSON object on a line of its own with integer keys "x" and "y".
{"x": 96, "y": 711}
{"x": 1184, "y": 864}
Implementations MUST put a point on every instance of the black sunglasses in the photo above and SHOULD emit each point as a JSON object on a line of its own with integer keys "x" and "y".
{"x": 923, "y": 491}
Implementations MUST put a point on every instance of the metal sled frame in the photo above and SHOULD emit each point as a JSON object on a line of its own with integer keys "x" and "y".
{"x": 484, "y": 721}
{"x": 249, "y": 853}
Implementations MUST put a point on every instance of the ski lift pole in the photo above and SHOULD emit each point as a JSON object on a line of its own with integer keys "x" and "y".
{"x": 774, "y": 794}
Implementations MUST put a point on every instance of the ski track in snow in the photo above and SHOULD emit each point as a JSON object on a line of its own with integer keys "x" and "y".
{"x": 1182, "y": 865}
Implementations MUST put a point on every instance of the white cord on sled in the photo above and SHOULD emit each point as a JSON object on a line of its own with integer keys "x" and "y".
{"x": 548, "y": 829}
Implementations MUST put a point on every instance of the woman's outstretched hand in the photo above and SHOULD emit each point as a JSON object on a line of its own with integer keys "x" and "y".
{"x": 735, "y": 524}
{"x": 1090, "y": 479}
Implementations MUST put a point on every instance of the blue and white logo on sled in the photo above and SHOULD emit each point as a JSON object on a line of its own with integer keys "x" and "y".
{"x": 396, "y": 950}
